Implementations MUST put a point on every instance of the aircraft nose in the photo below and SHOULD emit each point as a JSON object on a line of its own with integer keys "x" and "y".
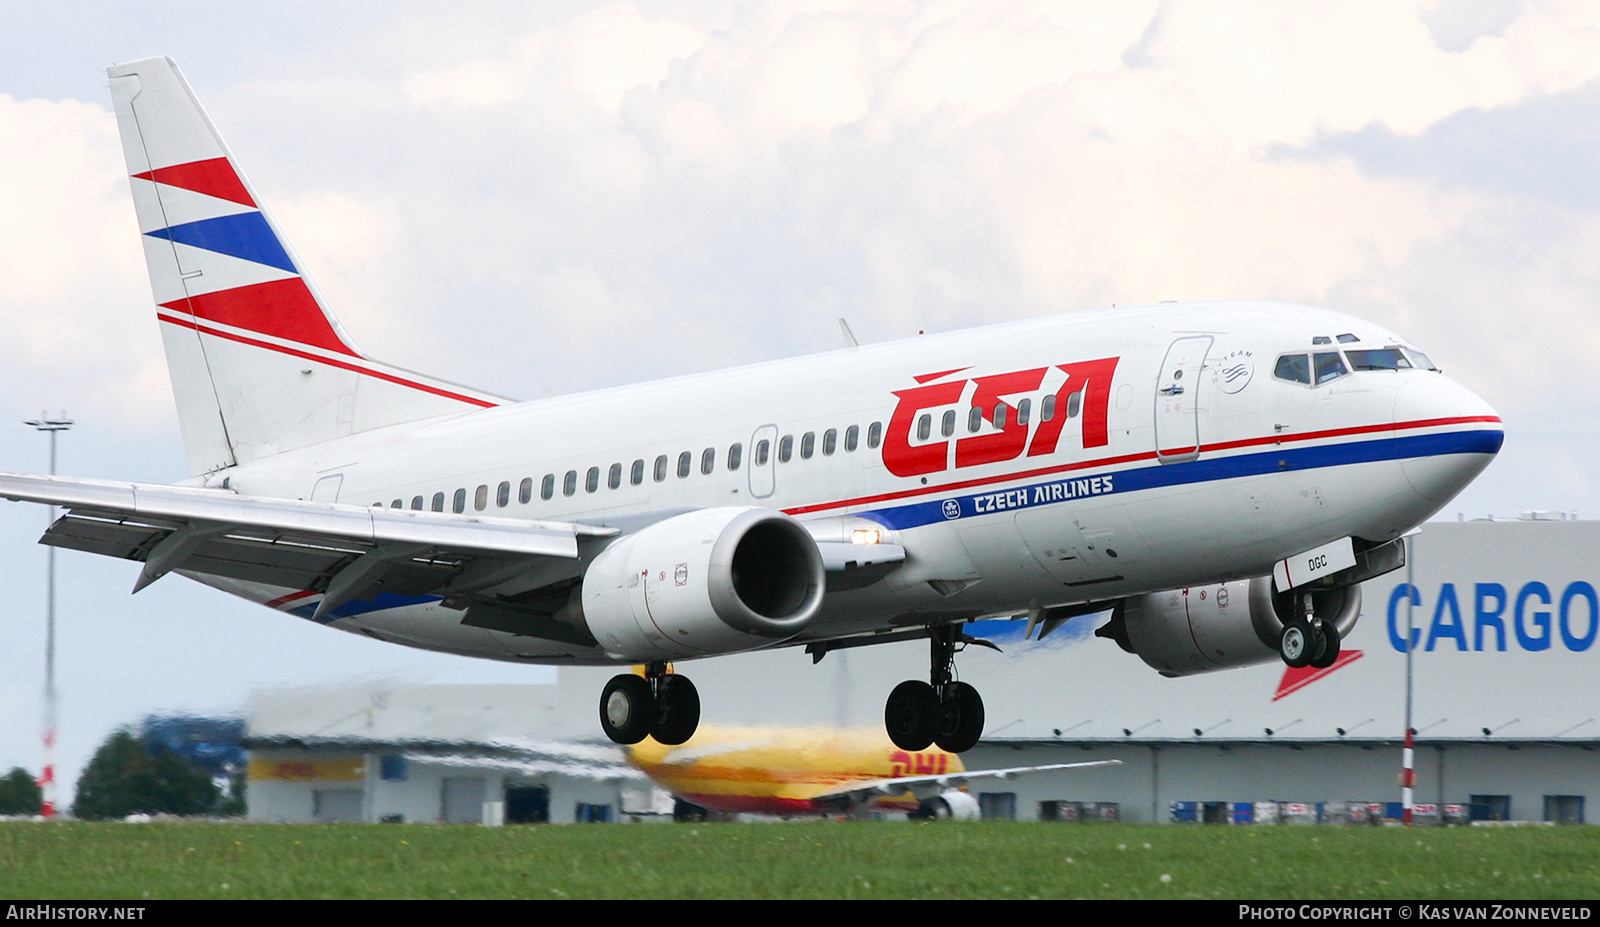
{"x": 1449, "y": 432}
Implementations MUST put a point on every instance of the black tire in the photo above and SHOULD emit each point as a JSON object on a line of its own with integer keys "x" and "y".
{"x": 960, "y": 718}
{"x": 1295, "y": 644}
{"x": 677, "y": 710}
{"x": 1328, "y": 644}
{"x": 911, "y": 716}
{"x": 627, "y": 709}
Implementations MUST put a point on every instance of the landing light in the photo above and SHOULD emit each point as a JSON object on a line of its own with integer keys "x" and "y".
{"x": 865, "y": 536}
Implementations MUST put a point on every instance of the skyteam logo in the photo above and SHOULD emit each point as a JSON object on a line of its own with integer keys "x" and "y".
{"x": 1235, "y": 370}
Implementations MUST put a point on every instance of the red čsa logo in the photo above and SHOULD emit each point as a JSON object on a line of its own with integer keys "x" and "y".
{"x": 999, "y": 431}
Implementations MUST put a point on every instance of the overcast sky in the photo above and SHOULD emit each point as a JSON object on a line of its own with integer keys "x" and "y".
{"x": 552, "y": 197}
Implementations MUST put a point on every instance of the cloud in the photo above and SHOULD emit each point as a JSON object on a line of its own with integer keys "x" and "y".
{"x": 1456, "y": 24}
{"x": 75, "y": 304}
{"x": 1544, "y": 147}
{"x": 597, "y": 57}
{"x": 580, "y": 197}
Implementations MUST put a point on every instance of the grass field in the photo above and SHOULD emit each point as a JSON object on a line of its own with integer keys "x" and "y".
{"x": 815, "y": 859}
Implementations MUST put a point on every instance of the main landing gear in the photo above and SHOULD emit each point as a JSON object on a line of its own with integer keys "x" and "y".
{"x": 1309, "y": 640}
{"x": 658, "y": 704}
{"x": 939, "y": 711}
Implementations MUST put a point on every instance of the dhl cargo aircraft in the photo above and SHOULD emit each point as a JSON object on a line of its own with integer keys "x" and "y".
{"x": 1269, "y": 455}
{"x": 797, "y": 771}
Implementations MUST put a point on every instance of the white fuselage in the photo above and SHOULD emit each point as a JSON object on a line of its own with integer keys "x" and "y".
{"x": 1135, "y": 484}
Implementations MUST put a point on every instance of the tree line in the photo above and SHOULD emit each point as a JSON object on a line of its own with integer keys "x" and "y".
{"x": 137, "y": 773}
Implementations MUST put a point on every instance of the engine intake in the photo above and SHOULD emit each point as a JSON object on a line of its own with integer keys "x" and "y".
{"x": 1182, "y": 632}
{"x": 710, "y": 581}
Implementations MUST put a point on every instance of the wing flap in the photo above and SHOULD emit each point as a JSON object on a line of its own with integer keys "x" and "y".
{"x": 107, "y": 537}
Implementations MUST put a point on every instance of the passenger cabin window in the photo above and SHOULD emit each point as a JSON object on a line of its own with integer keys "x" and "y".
{"x": 830, "y": 442}
{"x": 396, "y": 504}
{"x": 708, "y": 460}
{"x": 660, "y": 472}
{"x": 684, "y": 461}
{"x": 614, "y": 476}
{"x": 947, "y": 424}
{"x": 852, "y": 436}
{"x": 480, "y": 498}
{"x": 547, "y": 487}
{"x": 438, "y": 502}
{"x": 636, "y": 473}
{"x": 1000, "y": 415}
{"x": 808, "y": 445}
{"x": 1023, "y": 408}
{"x": 459, "y": 503}
{"x": 416, "y": 503}
{"x": 591, "y": 480}
{"x": 1074, "y": 404}
{"x": 1047, "y": 409}
{"x": 924, "y": 426}
{"x": 1329, "y": 366}
{"x": 763, "y": 449}
{"x": 974, "y": 419}
{"x": 1294, "y": 368}
{"x": 502, "y": 495}
{"x": 525, "y": 490}
{"x": 569, "y": 483}
{"x": 874, "y": 435}
{"x": 785, "y": 448}
{"x": 735, "y": 456}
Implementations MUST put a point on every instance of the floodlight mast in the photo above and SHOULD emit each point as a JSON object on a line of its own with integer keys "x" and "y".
{"x": 47, "y": 779}
{"x": 1408, "y": 763}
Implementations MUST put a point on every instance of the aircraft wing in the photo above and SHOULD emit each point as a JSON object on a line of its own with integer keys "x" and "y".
{"x": 929, "y": 786}
{"x": 345, "y": 552}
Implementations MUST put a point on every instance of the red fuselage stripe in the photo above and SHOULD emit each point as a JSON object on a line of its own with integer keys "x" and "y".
{"x": 1131, "y": 458}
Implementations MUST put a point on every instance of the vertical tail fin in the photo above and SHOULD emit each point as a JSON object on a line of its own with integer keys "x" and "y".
{"x": 258, "y": 363}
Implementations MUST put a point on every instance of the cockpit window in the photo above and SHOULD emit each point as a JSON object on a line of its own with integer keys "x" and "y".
{"x": 1329, "y": 366}
{"x": 1419, "y": 359}
{"x": 1294, "y": 368}
{"x": 1378, "y": 359}
{"x": 1347, "y": 338}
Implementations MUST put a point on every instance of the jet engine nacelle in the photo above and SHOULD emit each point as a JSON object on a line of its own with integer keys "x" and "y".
{"x": 951, "y": 803}
{"x": 1223, "y": 625}
{"x": 716, "y": 580}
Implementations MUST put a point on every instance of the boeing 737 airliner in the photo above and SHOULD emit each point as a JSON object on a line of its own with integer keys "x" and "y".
{"x": 1219, "y": 475}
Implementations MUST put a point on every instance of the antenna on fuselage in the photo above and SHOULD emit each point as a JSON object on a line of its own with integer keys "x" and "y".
{"x": 849, "y": 336}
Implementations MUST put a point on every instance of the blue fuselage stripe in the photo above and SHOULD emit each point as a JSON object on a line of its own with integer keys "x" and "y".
{"x": 1133, "y": 479}
{"x": 1204, "y": 470}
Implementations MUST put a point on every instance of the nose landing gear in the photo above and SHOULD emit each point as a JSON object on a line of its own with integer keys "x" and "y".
{"x": 1309, "y": 641}
{"x": 659, "y": 704}
{"x": 941, "y": 710}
